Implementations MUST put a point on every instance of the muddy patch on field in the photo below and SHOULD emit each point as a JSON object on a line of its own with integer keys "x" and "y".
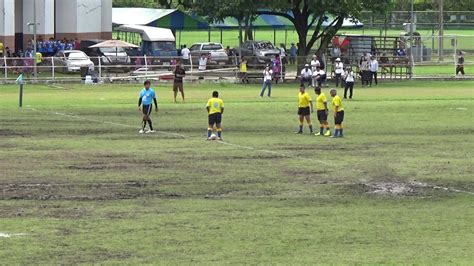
{"x": 389, "y": 188}
{"x": 78, "y": 191}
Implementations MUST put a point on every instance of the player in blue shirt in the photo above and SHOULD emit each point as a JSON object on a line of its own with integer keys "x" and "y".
{"x": 145, "y": 100}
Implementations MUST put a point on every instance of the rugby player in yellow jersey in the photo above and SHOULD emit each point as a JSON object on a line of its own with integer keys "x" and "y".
{"x": 215, "y": 109}
{"x": 338, "y": 113}
{"x": 305, "y": 108}
{"x": 322, "y": 112}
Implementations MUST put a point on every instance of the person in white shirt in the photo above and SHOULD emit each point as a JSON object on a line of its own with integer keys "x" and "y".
{"x": 315, "y": 63}
{"x": 319, "y": 77}
{"x": 267, "y": 81}
{"x": 373, "y": 68}
{"x": 202, "y": 63}
{"x": 338, "y": 71}
{"x": 349, "y": 78}
{"x": 185, "y": 55}
{"x": 306, "y": 76}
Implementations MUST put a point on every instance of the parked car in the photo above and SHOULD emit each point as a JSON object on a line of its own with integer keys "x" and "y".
{"x": 71, "y": 61}
{"x": 216, "y": 52}
{"x": 107, "y": 56}
{"x": 257, "y": 52}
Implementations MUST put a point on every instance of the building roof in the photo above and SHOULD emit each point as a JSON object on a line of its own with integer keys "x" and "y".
{"x": 166, "y": 18}
{"x": 279, "y": 22}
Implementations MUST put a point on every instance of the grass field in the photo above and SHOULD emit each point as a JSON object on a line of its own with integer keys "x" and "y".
{"x": 80, "y": 185}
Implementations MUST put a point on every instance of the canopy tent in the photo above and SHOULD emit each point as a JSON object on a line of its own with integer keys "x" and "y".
{"x": 173, "y": 19}
{"x": 279, "y": 22}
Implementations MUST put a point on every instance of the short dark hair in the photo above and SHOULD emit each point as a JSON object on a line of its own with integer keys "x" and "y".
{"x": 147, "y": 82}
{"x": 215, "y": 94}
{"x": 317, "y": 90}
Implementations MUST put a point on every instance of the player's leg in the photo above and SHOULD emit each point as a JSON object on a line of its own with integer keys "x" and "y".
{"x": 210, "y": 127}
{"x": 301, "y": 121}
{"x": 181, "y": 89}
{"x": 310, "y": 124}
{"x": 375, "y": 78}
{"x": 175, "y": 91}
{"x": 150, "y": 124}
{"x": 144, "y": 118}
{"x": 321, "y": 123}
{"x": 269, "y": 89}
{"x": 341, "y": 119}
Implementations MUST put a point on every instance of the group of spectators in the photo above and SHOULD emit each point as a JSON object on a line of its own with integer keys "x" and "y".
{"x": 23, "y": 60}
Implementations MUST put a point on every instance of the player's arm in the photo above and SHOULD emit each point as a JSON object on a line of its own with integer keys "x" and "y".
{"x": 156, "y": 104}
{"x": 336, "y": 109}
{"x": 311, "y": 105}
{"x": 326, "y": 107}
{"x": 139, "y": 103}
{"x": 222, "y": 110}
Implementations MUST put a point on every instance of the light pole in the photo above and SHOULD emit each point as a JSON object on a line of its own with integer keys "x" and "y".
{"x": 34, "y": 24}
{"x": 35, "y": 72}
{"x": 412, "y": 60}
{"x": 441, "y": 30}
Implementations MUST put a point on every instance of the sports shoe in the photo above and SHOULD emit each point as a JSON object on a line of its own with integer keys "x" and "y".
{"x": 141, "y": 131}
{"x": 327, "y": 134}
{"x": 149, "y": 131}
{"x": 318, "y": 134}
{"x": 334, "y": 136}
{"x": 219, "y": 139}
{"x": 299, "y": 132}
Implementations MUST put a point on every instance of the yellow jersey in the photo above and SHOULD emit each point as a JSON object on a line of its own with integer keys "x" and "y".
{"x": 215, "y": 105}
{"x": 243, "y": 67}
{"x": 320, "y": 100}
{"x": 336, "y": 101}
{"x": 39, "y": 58}
{"x": 303, "y": 100}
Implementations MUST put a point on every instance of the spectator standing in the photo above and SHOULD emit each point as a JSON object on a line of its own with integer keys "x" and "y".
{"x": 335, "y": 52}
{"x": 267, "y": 81}
{"x": 293, "y": 53}
{"x": 179, "y": 74}
{"x": 373, "y": 68}
{"x": 185, "y": 55}
{"x": 349, "y": 78}
{"x": 460, "y": 64}
{"x": 338, "y": 71}
{"x": 202, "y": 64}
{"x": 364, "y": 70}
{"x": 243, "y": 71}
{"x": 306, "y": 76}
{"x": 276, "y": 68}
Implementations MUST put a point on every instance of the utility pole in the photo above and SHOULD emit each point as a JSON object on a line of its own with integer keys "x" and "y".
{"x": 441, "y": 30}
{"x": 35, "y": 71}
{"x": 412, "y": 22}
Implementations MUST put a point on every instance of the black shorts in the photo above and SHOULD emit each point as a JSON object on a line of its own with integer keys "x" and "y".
{"x": 322, "y": 115}
{"x": 304, "y": 111}
{"x": 339, "y": 118}
{"x": 215, "y": 118}
{"x": 147, "y": 109}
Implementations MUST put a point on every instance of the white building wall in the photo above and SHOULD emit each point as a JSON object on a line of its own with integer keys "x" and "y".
{"x": 44, "y": 16}
{"x": 106, "y": 15}
{"x": 7, "y": 23}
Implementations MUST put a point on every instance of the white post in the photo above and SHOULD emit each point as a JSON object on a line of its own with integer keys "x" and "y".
{"x": 6, "y": 67}
{"x": 146, "y": 66}
{"x": 35, "y": 70}
{"x": 100, "y": 67}
{"x": 191, "y": 65}
{"x": 455, "y": 54}
{"x": 53, "y": 68}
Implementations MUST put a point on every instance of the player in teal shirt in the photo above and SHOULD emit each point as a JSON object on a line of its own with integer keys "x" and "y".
{"x": 147, "y": 97}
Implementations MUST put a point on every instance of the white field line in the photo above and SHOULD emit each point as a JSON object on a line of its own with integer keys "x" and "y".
{"x": 5, "y": 235}
{"x": 239, "y": 147}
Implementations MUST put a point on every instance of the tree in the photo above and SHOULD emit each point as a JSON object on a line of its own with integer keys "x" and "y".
{"x": 243, "y": 11}
{"x": 307, "y": 16}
